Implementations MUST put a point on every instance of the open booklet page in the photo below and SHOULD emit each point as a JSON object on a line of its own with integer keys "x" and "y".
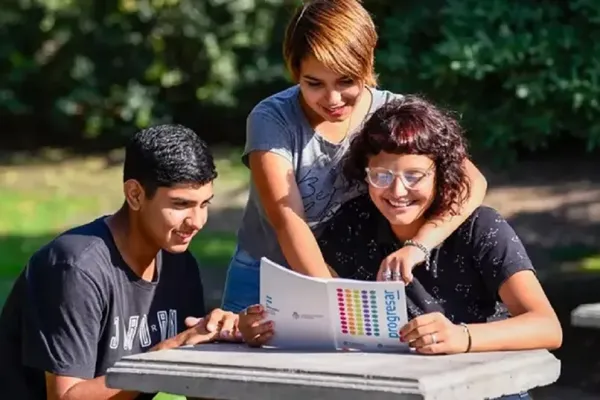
{"x": 331, "y": 313}
{"x": 298, "y": 305}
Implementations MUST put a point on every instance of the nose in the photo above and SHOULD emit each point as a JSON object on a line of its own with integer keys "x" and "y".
{"x": 333, "y": 97}
{"x": 397, "y": 187}
{"x": 197, "y": 218}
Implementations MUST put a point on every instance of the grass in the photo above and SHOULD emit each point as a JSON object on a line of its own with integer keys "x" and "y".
{"x": 591, "y": 263}
{"x": 578, "y": 257}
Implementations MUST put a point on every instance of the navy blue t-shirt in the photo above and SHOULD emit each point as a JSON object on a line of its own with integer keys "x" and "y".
{"x": 77, "y": 308}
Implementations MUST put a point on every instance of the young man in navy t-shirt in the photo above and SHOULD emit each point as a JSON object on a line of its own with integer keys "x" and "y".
{"x": 121, "y": 284}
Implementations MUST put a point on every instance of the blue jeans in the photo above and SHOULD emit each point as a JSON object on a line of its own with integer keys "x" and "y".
{"x": 242, "y": 286}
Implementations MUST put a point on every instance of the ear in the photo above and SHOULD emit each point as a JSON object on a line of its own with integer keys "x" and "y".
{"x": 134, "y": 194}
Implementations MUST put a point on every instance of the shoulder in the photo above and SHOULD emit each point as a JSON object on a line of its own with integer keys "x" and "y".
{"x": 485, "y": 225}
{"x": 85, "y": 247}
{"x": 485, "y": 217}
{"x": 279, "y": 108}
{"x": 72, "y": 268}
{"x": 382, "y": 96}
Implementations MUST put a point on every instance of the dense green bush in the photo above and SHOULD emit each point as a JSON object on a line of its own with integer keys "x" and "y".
{"x": 91, "y": 71}
{"x": 522, "y": 74}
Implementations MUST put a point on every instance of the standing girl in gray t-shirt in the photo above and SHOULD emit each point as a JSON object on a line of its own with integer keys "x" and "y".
{"x": 295, "y": 140}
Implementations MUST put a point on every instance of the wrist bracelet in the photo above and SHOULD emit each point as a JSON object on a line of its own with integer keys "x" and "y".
{"x": 468, "y": 332}
{"x": 425, "y": 250}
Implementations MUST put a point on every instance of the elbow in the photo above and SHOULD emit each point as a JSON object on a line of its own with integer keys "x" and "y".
{"x": 281, "y": 225}
{"x": 556, "y": 336}
{"x": 552, "y": 332}
{"x": 284, "y": 221}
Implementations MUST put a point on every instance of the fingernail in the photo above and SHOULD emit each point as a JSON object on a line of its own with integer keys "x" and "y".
{"x": 238, "y": 334}
{"x": 225, "y": 333}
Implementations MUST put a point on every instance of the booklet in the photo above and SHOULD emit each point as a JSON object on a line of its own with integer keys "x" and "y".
{"x": 340, "y": 314}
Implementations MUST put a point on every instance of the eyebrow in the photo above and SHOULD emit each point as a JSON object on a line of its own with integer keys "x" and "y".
{"x": 183, "y": 200}
{"x": 310, "y": 77}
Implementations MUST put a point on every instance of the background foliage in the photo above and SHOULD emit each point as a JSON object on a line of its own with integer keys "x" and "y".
{"x": 524, "y": 75}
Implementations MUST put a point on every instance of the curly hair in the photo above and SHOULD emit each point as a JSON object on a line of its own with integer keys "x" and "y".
{"x": 412, "y": 125}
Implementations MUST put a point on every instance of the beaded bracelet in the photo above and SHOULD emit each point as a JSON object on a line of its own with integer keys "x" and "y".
{"x": 425, "y": 250}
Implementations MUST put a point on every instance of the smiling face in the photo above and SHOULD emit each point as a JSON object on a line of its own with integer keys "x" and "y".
{"x": 402, "y": 198}
{"x": 174, "y": 215}
{"x": 328, "y": 96}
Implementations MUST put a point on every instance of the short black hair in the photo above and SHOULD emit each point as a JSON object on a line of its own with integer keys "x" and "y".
{"x": 167, "y": 155}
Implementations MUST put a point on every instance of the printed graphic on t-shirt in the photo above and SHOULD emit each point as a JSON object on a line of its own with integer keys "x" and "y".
{"x": 324, "y": 189}
{"x": 143, "y": 331}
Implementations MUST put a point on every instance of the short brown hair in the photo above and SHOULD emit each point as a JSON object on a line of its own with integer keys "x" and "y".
{"x": 412, "y": 125}
{"x": 338, "y": 33}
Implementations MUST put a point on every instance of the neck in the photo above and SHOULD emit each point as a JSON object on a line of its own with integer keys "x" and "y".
{"x": 134, "y": 247}
{"x": 405, "y": 232}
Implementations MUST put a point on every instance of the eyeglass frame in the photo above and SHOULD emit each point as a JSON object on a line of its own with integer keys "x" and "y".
{"x": 429, "y": 171}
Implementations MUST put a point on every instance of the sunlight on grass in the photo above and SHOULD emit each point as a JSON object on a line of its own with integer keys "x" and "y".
{"x": 39, "y": 212}
{"x": 229, "y": 165}
{"x": 591, "y": 263}
{"x": 165, "y": 396}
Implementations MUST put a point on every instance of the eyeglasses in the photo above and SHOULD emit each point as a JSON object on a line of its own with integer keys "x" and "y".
{"x": 383, "y": 178}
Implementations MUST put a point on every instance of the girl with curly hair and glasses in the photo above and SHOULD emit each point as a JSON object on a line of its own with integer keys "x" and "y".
{"x": 295, "y": 140}
{"x": 477, "y": 290}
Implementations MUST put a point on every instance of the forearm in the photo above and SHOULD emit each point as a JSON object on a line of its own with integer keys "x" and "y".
{"x": 523, "y": 332}
{"x": 96, "y": 389}
{"x": 300, "y": 248}
{"x": 171, "y": 343}
{"x": 439, "y": 228}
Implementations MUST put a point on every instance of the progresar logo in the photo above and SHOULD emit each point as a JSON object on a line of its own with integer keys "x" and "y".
{"x": 391, "y": 313}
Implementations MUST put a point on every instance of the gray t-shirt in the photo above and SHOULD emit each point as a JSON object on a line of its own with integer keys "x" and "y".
{"x": 278, "y": 124}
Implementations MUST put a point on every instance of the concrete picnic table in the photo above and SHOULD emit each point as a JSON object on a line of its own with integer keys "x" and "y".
{"x": 586, "y": 316}
{"x": 235, "y": 371}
